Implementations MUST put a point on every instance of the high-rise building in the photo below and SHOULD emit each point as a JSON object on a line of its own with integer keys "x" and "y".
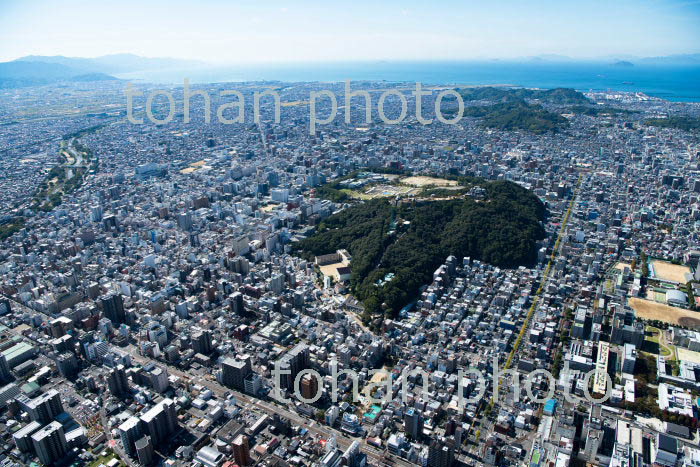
{"x": 5, "y": 375}
{"x": 234, "y": 372}
{"x": 201, "y": 341}
{"x": 194, "y": 239}
{"x": 450, "y": 426}
{"x": 353, "y": 456}
{"x": 459, "y": 433}
{"x": 117, "y": 381}
{"x": 130, "y": 431}
{"x": 237, "y": 306}
{"x": 45, "y": 407}
{"x": 23, "y": 436}
{"x": 252, "y": 384}
{"x": 157, "y": 333}
{"x": 593, "y": 442}
{"x": 629, "y": 359}
{"x": 144, "y": 450}
{"x": 50, "y": 443}
{"x": 440, "y": 453}
{"x": 110, "y": 223}
{"x": 308, "y": 386}
{"x": 96, "y": 350}
{"x": 666, "y": 450}
{"x": 280, "y": 195}
{"x": 67, "y": 364}
{"x": 184, "y": 221}
{"x": 293, "y": 362}
{"x": 241, "y": 450}
{"x": 160, "y": 421}
{"x": 413, "y": 423}
{"x": 277, "y": 283}
{"x": 96, "y": 213}
{"x": 5, "y": 306}
{"x": 113, "y": 307}
{"x": 157, "y": 378}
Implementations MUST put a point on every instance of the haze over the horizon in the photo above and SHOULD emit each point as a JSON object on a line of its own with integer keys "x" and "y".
{"x": 248, "y": 31}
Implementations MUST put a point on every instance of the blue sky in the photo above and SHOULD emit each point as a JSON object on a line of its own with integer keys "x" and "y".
{"x": 273, "y": 31}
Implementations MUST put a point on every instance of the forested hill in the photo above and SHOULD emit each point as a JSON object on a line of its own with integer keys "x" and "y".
{"x": 549, "y": 96}
{"x": 411, "y": 240}
{"x": 677, "y": 122}
{"x": 521, "y": 109}
{"x": 518, "y": 115}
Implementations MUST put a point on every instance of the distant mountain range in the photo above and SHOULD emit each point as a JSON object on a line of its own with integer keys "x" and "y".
{"x": 37, "y": 70}
{"x": 116, "y": 63}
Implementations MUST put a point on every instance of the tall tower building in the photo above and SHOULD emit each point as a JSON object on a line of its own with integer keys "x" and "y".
{"x": 130, "y": 431}
{"x": 277, "y": 283}
{"x": 113, "y": 307}
{"x": 201, "y": 341}
{"x": 160, "y": 421}
{"x": 241, "y": 450}
{"x": 293, "y": 361}
{"x": 117, "y": 382}
{"x": 67, "y": 364}
{"x": 5, "y": 375}
{"x": 237, "y": 305}
{"x": 413, "y": 423}
{"x": 308, "y": 386}
{"x": 44, "y": 408}
{"x": 144, "y": 450}
{"x": 157, "y": 378}
{"x": 353, "y": 457}
{"x": 234, "y": 372}
{"x": 440, "y": 453}
{"x": 50, "y": 443}
{"x": 184, "y": 221}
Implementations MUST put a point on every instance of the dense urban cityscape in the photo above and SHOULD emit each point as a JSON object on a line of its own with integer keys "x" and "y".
{"x": 155, "y": 277}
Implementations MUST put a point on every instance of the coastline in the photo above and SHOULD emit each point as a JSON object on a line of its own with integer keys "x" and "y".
{"x": 675, "y": 83}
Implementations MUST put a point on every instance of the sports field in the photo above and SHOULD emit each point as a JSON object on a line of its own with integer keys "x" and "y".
{"x": 621, "y": 266}
{"x": 685, "y": 354}
{"x": 382, "y": 191}
{"x": 332, "y": 269}
{"x": 666, "y": 271}
{"x": 647, "y": 309}
{"x": 421, "y": 181}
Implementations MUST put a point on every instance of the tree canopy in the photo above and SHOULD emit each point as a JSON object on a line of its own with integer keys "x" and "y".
{"x": 679, "y": 123}
{"x": 411, "y": 240}
{"x": 518, "y": 115}
{"x": 550, "y": 96}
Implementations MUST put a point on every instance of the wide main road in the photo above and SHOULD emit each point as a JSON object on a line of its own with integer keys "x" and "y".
{"x": 545, "y": 277}
{"x": 527, "y": 323}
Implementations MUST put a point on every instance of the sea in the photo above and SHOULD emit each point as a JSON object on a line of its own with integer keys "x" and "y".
{"x": 680, "y": 83}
